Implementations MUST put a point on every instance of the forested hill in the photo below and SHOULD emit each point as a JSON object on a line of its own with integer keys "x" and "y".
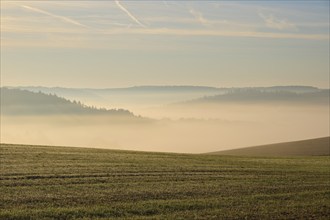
{"x": 23, "y": 102}
{"x": 255, "y": 95}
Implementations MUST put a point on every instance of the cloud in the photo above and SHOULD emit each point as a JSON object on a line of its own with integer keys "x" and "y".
{"x": 275, "y": 23}
{"x": 199, "y": 17}
{"x": 101, "y": 35}
{"x": 221, "y": 33}
{"x": 16, "y": 27}
{"x": 169, "y": 32}
{"x": 65, "y": 19}
{"x": 129, "y": 14}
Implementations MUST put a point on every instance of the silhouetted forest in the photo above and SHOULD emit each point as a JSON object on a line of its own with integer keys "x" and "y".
{"x": 267, "y": 95}
{"x": 21, "y": 102}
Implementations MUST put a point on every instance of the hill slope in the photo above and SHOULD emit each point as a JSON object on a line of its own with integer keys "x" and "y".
{"x": 146, "y": 96}
{"x": 23, "y": 102}
{"x": 311, "y": 147}
{"x": 131, "y": 96}
{"x": 45, "y": 182}
{"x": 265, "y": 96}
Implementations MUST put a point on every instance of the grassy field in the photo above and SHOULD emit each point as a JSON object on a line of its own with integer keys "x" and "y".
{"x": 40, "y": 182}
{"x": 310, "y": 147}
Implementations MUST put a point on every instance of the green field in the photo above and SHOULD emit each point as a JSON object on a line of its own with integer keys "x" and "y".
{"x": 310, "y": 147}
{"x": 40, "y": 182}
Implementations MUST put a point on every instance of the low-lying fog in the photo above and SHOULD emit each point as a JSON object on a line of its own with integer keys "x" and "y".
{"x": 191, "y": 129}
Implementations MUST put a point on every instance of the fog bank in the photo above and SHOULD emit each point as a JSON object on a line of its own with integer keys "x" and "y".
{"x": 192, "y": 135}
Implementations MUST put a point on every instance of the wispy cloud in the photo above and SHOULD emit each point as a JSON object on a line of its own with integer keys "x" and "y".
{"x": 129, "y": 14}
{"x": 275, "y": 23}
{"x": 199, "y": 17}
{"x": 98, "y": 33}
{"x": 219, "y": 33}
{"x": 63, "y": 18}
{"x": 180, "y": 23}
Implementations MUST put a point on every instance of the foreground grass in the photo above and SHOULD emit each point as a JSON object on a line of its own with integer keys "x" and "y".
{"x": 40, "y": 182}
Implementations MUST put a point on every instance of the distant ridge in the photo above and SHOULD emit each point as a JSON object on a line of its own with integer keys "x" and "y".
{"x": 311, "y": 147}
{"x": 187, "y": 94}
{"x": 23, "y": 102}
{"x": 268, "y": 95}
{"x": 151, "y": 88}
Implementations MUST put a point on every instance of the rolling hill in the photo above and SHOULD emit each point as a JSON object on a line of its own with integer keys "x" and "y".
{"x": 132, "y": 98}
{"x": 48, "y": 182}
{"x": 311, "y": 147}
{"x": 146, "y": 96}
{"x": 266, "y": 96}
{"x": 23, "y": 102}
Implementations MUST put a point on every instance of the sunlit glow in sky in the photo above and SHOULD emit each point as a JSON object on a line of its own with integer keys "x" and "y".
{"x": 128, "y": 43}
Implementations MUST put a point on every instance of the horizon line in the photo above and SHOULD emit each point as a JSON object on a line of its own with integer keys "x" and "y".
{"x": 165, "y": 85}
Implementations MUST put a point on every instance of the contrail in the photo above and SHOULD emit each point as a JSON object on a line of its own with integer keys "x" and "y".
{"x": 129, "y": 13}
{"x": 65, "y": 19}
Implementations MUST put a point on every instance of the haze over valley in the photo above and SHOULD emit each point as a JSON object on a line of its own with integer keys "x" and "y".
{"x": 185, "y": 109}
{"x": 186, "y": 119}
{"x": 173, "y": 76}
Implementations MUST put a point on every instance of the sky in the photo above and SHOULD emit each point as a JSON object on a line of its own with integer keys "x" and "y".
{"x": 106, "y": 44}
